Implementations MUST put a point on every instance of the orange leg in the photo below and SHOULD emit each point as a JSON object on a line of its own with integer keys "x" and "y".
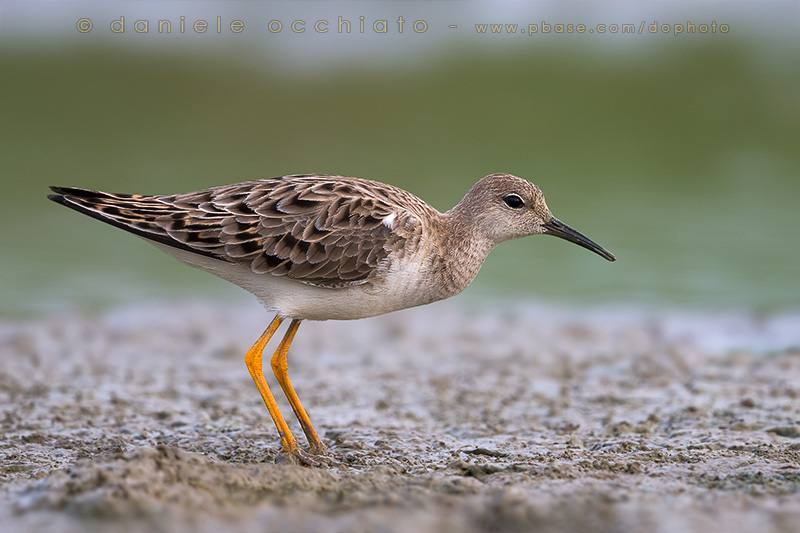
{"x": 280, "y": 368}
{"x": 253, "y": 361}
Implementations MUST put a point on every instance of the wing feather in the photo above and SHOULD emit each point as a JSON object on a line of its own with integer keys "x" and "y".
{"x": 322, "y": 230}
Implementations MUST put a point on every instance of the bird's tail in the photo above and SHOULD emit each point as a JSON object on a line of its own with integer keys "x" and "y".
{"x": 142, "y": 215}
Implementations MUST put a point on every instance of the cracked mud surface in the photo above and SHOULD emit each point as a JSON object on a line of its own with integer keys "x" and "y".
{"x": 436, "y": 419}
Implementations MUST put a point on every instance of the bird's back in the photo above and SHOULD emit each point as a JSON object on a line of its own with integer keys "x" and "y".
{"x": 326, "y": 231}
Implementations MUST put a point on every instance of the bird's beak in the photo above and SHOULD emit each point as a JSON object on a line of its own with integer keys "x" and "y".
{"x": 559, "y": 229}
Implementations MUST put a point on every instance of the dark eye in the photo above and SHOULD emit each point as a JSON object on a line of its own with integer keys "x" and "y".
{"x": 513, "y": 201}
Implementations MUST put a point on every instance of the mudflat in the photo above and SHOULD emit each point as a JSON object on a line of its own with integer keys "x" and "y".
{"x": 437, "y": 419}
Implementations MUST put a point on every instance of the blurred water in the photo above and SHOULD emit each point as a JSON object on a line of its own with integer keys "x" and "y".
{"x": 680, "y": 156}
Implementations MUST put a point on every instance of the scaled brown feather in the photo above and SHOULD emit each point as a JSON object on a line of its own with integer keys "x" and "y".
{"x": 322, "y": 230}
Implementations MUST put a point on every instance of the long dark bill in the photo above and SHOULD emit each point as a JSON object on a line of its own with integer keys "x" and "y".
{"x": 559, "y": 229}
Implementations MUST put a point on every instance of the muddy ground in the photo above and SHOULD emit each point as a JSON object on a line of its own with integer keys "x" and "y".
{"x": 437, "y": 419}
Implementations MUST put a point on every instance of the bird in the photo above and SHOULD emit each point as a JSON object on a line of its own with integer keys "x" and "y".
{"x": 328, "y": 247}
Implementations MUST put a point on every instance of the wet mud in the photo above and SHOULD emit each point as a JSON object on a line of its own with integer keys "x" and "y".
{"x": 436, "y": 419}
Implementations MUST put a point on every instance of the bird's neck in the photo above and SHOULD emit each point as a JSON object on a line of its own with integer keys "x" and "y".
{"x": 462, "y": 252}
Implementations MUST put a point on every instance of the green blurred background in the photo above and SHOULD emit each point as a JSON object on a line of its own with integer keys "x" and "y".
{"x": 680, "y": 155}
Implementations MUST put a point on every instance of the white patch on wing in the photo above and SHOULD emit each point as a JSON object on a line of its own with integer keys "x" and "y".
{"x": 389, "y": 220}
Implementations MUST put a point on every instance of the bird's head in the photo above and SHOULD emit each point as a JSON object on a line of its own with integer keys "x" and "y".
{"x": 503, "y": 207}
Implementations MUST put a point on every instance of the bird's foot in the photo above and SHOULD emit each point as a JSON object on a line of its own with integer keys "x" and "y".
{"x": 316, "y": 458}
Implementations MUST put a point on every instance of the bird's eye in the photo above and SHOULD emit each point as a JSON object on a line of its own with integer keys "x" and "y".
{"x": 513, "y": 201}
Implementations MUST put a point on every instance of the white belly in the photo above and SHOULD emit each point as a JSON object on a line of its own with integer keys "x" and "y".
{"x": 406, "y": 285}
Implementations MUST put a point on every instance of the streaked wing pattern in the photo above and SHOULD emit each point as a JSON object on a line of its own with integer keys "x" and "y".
{"x": 322, "y": 230}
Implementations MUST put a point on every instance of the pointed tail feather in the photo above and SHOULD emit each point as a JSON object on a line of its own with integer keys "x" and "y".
{"x": 132, "y": 213}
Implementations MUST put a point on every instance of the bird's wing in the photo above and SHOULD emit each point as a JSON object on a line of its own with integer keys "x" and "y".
{"x": 329, "y": 231}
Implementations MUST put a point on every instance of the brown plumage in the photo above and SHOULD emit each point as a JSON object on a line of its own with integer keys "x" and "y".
{"x": 321, "y": 230}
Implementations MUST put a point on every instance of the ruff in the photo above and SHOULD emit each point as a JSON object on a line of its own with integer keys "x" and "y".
{"x": 318, "y": 247}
